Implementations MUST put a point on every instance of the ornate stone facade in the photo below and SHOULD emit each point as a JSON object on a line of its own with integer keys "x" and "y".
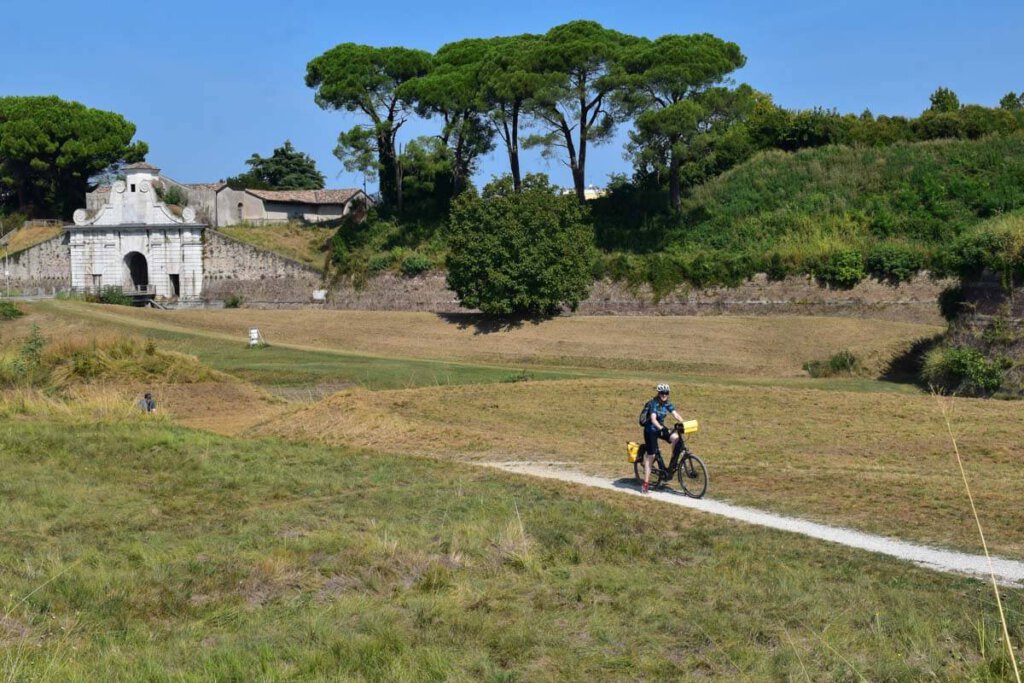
{"x": 137, "y": 243}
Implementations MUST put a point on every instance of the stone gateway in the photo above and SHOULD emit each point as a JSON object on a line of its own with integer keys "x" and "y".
{"x": 137, "y": 243}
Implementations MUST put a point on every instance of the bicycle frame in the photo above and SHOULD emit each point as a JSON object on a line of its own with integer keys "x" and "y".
{"x": 678, "y": 449}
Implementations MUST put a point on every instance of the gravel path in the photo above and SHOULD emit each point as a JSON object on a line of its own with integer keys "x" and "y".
{"x": 1007, "y": 572}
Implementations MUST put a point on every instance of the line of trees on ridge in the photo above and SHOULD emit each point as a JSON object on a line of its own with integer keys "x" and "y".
{"x": 568, "y": 89}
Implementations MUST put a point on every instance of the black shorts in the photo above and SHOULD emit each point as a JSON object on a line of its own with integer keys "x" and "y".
{"x": 651, "y": 440}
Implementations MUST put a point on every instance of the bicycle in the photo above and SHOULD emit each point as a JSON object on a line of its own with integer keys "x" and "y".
{"x": 685, "y": 465}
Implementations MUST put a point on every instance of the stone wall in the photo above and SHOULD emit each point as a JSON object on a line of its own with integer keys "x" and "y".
{"x": 45, "y": 266}
{"x": 916, "y": 300}
{"x": 987, "y": 296}
{"x": 259, "y": 277}
{"x": 912, "y": 301}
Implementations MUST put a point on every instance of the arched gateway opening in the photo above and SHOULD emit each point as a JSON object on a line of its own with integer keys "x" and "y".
{"x": 137, "y": 271}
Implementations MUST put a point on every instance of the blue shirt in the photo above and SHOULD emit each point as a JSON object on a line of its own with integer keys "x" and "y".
{"x": 661, "y": 410}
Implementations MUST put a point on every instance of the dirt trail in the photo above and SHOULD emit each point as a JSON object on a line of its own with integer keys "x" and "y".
{"x": 1007, "y": 572}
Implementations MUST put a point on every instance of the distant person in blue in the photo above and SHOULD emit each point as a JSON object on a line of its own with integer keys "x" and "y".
{"x": 147, "y": 404}
{"x": 658, "y": 408}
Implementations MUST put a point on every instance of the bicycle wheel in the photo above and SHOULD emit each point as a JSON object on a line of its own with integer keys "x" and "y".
{"x": 638, "y": 470}
{"x": 638, "y": 473}
{"x": 693, "y": 476}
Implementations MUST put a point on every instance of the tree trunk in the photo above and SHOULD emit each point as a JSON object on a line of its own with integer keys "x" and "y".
{"x": 673, "y": 182}
{"x": 388, "y": 171}
{"x": 513, "y": 151}
{"x": 580, "y": 167}
{"x": 574, "y": 165}
{"x": 458, "y": 163}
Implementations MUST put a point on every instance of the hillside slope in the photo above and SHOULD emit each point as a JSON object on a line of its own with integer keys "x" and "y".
{"x": 925, "y": 192}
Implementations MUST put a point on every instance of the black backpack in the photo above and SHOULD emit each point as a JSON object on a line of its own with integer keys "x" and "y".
{"x": 645, "y": 414}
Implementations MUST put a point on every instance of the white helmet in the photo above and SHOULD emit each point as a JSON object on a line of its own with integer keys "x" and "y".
{"x": 663, "y": 388}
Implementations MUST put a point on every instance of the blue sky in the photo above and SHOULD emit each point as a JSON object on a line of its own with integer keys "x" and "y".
{"x": 208, "y": 84}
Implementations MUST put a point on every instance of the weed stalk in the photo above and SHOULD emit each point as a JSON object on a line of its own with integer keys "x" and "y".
{"x": 946, "y": 408}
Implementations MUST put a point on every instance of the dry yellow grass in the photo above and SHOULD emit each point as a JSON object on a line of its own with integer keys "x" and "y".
{"x": 23, "y": 238}
{"x": 733, "y": 346}
{"x": 875, "y": 461}
{"x": 223, "y": 407}
{"x": 878, "y": 462}
{"x": 303, "y": 243}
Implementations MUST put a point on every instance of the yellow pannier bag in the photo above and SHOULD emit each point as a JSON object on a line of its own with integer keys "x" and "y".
{"x": 632, "y": 450}
{"x": 690, "y": 426}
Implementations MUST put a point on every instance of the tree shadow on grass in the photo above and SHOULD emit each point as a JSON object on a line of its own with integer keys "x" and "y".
{"x": 489, "y": 324}
{"x": 906, "y": 367}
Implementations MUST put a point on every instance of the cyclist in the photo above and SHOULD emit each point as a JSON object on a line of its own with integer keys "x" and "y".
{"x": 658, "y": 408}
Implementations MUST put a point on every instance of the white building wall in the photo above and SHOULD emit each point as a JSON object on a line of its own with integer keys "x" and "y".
{"x": 168, "y": 251}
{"x": 134, "y": 220}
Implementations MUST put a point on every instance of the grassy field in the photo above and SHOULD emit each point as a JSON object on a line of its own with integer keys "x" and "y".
{"x": 300, "y": 370}
{"x": 309, "y": 542}
{"x": 723, "y": 346}
{"x": 878, "y": 462}
{"x": 859, "y": 452}
{"x": 138, "y": 550}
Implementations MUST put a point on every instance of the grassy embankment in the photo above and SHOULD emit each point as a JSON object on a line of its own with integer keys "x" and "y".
{"x": 23, "y": 238}
{"x": 840, "y": 213}
{"x": 301, "y": 242}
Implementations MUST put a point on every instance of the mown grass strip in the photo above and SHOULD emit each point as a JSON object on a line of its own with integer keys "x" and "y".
{"x": 294, "y": 365}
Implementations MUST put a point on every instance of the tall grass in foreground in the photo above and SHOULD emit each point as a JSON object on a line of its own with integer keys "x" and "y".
{"x": 140, "y": 551}
{"x": 39, "y": 362}
{"x": 77, "y": 405}
{"x": 947, "y": 409}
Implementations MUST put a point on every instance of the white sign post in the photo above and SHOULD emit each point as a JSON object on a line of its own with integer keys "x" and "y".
{"x": 255, "y": 338}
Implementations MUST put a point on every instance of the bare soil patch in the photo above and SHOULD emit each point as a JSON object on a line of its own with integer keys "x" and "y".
{"x": 222, "y": 407}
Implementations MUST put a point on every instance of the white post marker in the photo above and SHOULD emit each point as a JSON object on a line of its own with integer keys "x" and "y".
{"x": 255, "y": 338}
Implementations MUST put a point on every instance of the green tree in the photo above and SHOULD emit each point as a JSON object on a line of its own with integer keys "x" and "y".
{"x": 427, "y": 178}
{"x": 509, "y": 79}
{"x": 50, "y": 148}
{"x": 366, "y": 79}
{"x": 451, "y": 90}
{"x": 674, "y": 90}
{"x": 944, "y": 100}
{"x": 1012, "y": 102}
{"x": 285, "y": 169}
{"x": 585, "y": 61}
{"x": 519, "y": 253}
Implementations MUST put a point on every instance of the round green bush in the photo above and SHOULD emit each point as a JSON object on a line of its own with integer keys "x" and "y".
{"x": 519, "y": 253}
{"x": 843, "y": 268}
{"x": 894, "y": 262}
{"x": 414, "y": 264}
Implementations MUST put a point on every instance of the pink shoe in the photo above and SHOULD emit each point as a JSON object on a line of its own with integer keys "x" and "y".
{"x": 646, "y": 488}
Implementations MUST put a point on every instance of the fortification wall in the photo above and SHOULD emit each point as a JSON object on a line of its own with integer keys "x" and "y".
{"x": 916, "y": 300}
{"x": 259, "y": 277}
{"x": 912, "y": 301}
{"x": 45, "y": 266}
{"x": 265, "y": 279}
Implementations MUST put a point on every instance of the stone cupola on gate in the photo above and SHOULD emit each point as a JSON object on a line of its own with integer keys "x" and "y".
{"x": 137, "y": 243}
